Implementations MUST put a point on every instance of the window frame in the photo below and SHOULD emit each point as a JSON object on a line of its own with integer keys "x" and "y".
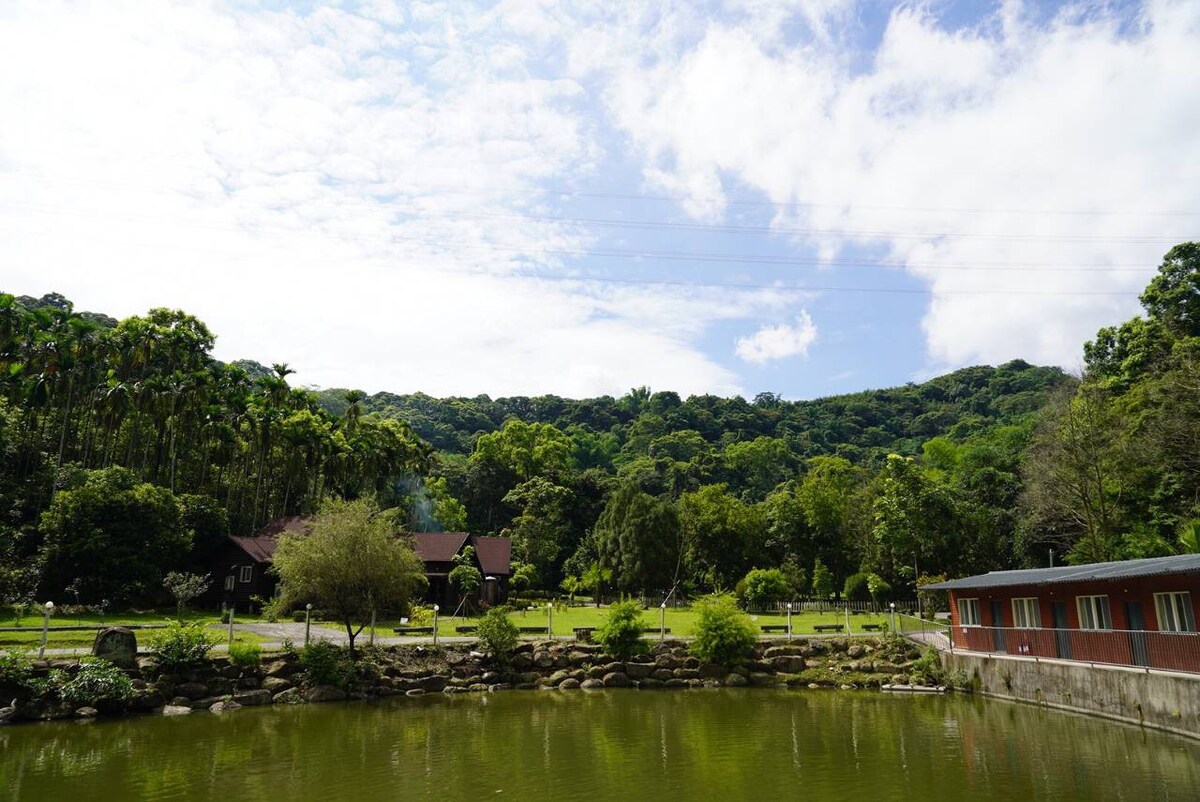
{"x": 230, "y": 582}
{"x": 1099, "y": 618}
{"x": 971, "y": 604}
{"x": 1027, "y": 612}
{"x": 245, "y": 574}
{"x": 1174, "y": 602}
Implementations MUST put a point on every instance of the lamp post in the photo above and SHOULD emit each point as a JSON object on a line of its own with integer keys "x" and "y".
{"x": 231, "y": 625}
{"x": 45, "y": 628}
{"x": 307, "y": 622}
{"x": 550, "y": 619}
{"x": 789, "y": 611}
{"x": 662, "y": 621}
{"x": 435, "y": 617}
{"x": 893, "y": 606}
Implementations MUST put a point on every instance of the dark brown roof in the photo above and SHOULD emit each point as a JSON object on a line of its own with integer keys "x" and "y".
{"x": 260, "y": 549}
{"x": 495, "y": 555}
{"x": 439, "y": 547}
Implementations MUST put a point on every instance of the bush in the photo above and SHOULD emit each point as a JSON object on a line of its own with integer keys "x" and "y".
{"x": 182, "y": 646}
{"x": 244, "y": 655}
{"x": 762, "y": 586}
{"x": 96, "y": 683}
{"x": 326, "y": 664}
{"x": 15, "y": 671}
{"x": 498, "y": 633}
{"x": 856, "y": 587}
{"x": 724, "y": 634}
{"x": 621, "y": 632}
{"x": 420, "y": 616}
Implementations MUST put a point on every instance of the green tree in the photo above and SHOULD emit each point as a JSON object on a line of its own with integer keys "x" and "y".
{"x": 540, "y": 530}
{"x": 465, "y": 576}
{"x": 184, "y": 588}
{"x": 350, "y": 564}
{"x": 112, "y": 535}
{"x": 822, "y": 581}
{"x": 721, "y": 533}
{"x": 638, "y": 538}
{"x": 764, "y": 586}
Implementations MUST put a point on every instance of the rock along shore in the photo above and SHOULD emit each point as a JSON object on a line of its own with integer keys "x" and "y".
{"x": 221, "y": 687}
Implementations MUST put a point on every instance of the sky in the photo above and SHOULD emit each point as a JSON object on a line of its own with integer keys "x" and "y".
{"x": 805, "y": 197}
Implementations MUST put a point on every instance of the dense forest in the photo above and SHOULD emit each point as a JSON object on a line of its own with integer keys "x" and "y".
{"x": 128, "y": 450}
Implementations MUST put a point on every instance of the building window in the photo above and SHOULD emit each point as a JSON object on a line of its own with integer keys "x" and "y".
{"x": 1093, "y": 612}
{"x": 968, "y": 612}
{"x": 247, "y": 573}
{"x": 229, "y": 582}
{"x": 1175, "y": 612}
{"x": 1026, "y": 613}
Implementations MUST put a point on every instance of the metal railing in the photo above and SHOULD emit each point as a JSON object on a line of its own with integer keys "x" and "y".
{"x": 1168, "y": 651}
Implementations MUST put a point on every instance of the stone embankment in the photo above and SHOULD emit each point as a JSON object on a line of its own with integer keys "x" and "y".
{"x": 220, "y": 687}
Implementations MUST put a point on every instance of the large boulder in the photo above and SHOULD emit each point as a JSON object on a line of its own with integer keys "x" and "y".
{"x": 736, "y": 681}
{"x": 325, "y": 693}
{"x": 224, "y": 707}
{"x": 117, "y": 645}
{"x": 276, "y": 684}
{"x": 292, "y": 696}
{"x": 856, "y": 651}
{"x": 176, "y": 710}
{"x": 639, "y": 670}
{"x": 252, "y": 698}
{"x": 617, "y": 679}
{"x": 192, "y": 690}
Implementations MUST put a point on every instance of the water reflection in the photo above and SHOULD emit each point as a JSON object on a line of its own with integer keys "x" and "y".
{"x": 614, "y": 745}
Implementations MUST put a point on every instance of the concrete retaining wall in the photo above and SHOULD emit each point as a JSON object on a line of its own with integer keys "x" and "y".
{"x": 1160, "y": 699}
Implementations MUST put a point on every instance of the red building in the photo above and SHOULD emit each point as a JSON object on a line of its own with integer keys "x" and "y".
{"x": 1135, "y": 612}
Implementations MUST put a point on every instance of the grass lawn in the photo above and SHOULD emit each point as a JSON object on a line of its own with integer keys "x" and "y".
{"x": 681, "y": 621}
{"x": 31, "y": 638}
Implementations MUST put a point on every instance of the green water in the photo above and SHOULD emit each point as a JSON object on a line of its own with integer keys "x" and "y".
{"x": 612, "y": 745}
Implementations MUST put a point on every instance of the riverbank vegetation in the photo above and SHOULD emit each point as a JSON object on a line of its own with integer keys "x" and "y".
{"x": 128, "y": 452}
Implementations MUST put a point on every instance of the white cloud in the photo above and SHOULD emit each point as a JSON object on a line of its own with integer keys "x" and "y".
{"x": 329, "y": 190}
{"x": 1019, "y": 170}
{"x": 778, "y": 342}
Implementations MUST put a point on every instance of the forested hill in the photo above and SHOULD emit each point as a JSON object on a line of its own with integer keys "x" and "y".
{"x": 862, "y": 427}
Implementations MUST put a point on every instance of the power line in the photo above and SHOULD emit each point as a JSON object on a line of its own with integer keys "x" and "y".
{"x": 667, "y": 198}
{"x": 639, "y": 255}
{"x": 775, "y": 286}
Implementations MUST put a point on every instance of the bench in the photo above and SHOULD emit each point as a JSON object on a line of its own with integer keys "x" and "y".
{"x": 531, "y": 630}
{"x": 828, "y": 627}
{"x": 413, "y": 630}
{"x": 774, "y": 627}
{"x": 871, "y": 627}
{"x": 467, "y": 629}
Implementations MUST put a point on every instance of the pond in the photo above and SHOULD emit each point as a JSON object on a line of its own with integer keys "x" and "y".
{"x": 611, "y": 745}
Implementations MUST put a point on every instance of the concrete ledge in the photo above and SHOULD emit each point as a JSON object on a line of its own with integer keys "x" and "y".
{"x": 1165, "y": 700}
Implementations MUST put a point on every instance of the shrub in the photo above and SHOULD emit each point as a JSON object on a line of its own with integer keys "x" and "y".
{"x": 96, "y": 683}
{"x": 724, "y": 634}
{"x": 326, "y": 664}
{"x": 271, "y": 609}
{"x": 762, "y": 586}
{"x": 182, "y": 646}
{"x": 856, "y": 588}
{"x": 498, "y": 633}
{"x": 420, "y": 616}
{"x": 15, "y": 671}
{"x": 244, "y": 655}
{"x": 621, "y": 632}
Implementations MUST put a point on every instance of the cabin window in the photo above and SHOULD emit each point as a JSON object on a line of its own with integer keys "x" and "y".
{"x": 1093, "y": 612}
{"x": 247, "y": 573}
{"x": 968, "y": 612}
{"x": 1175, "y": 612}
{"x": 229, "y": 582}
{"x": 1026, "y": 613}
